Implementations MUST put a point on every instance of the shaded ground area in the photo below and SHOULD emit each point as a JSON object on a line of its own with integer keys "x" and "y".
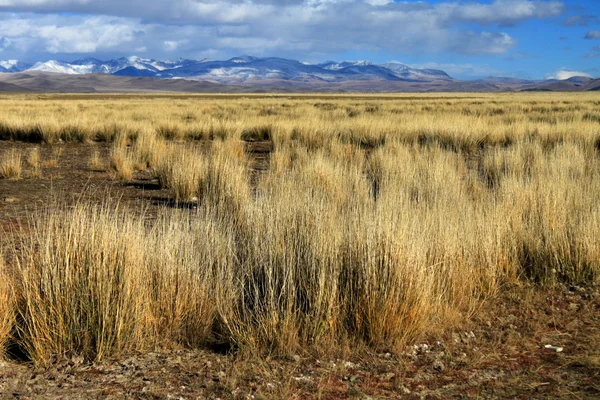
{"x": 67, "y": 178}
{"x": 499, "y": 354}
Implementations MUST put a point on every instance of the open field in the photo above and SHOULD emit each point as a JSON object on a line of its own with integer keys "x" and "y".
{"x": 228, "y": 228}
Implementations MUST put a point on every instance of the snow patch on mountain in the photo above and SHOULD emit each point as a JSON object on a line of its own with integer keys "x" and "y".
{"x": 62, "y": 68}
{"x": 13, "y": 66}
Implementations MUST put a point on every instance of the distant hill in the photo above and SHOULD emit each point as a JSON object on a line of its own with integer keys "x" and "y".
{"x": 35, "y": 81}
{"x": 252, "y": 74}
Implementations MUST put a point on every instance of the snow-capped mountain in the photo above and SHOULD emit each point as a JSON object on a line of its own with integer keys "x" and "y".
{"x": 13, "y": 66}
{"x": 95, "y": 66}
{"x": 246, "y": 68}
{"x": 238, "y": 69}
{"x": 416, "y": 74}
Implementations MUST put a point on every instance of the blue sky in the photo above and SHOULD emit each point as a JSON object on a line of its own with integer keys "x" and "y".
{"x": 468, "y": 39}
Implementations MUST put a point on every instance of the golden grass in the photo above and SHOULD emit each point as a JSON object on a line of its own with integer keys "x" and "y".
{"x": 57, "y": 153}
{"x": 11, "y": 165}
{"x": 95, "y": 162}
{"x": 376, "y": 221}
{"x": 7, "y": 306}
{"x": 457, "y": 121}
{"x": 121, "y": 162}
{"x": 33, "y": 161}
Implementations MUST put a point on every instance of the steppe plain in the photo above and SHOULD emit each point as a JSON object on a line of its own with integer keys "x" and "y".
{"x": 300, "y": 246}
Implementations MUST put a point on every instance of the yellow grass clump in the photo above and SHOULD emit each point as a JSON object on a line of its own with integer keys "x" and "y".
{"x": 122, "y": 161}
{"x": 7, "y": 306}
{"x": 95, "y": 162}
{"x": 33, "y": 161}
{"x": 11, "y": 165}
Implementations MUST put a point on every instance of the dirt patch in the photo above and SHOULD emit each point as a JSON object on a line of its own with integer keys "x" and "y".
{"x": 67, "y": 177}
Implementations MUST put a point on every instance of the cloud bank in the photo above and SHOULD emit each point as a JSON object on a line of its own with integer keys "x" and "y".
{"x": 314, "y": 28}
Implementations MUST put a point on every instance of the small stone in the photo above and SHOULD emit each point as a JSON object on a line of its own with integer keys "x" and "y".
{"x": 404, "y": 390}
{"x": 554, "y": 349}
{"x": 456, "y": 337}
{"x": 438, "y": 366}
{"x": 296, "y": 358}
{"x": 421, "y": 348}
{"x": 77, "y": 360}
{"x": 389, "y": 376}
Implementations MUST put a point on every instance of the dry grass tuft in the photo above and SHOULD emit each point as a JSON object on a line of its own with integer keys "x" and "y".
{"x": 33, "y": 161}
{"x": 57, "y": 153}
{"x": 7, "y": 305}
{"x": 95, "y": 162}
{"x": 121, "y": 162}
{"x": 11, "y": 165}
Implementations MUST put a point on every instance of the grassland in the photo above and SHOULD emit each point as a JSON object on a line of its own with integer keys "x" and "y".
{"x": 362, "y": 220}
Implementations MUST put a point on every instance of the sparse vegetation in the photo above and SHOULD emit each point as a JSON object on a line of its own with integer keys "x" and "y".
{"x": 57, "y": 152}
{"x": 11, "y": 165}
{"x": 374, "y": 222}
{"x": 7, "y": 306}
{"x": 95, "y": 163}
{"x": 33, "y": 161}
{"x": 121, "y": 162}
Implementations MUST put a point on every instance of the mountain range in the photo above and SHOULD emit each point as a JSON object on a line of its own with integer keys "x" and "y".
{"x": 252, "y": 74}
{"x": 237, "y": 69}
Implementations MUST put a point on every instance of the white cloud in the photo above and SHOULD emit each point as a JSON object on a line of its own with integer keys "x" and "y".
{"x": 40, "y": 3}
{"x": 378, "y": 2}
{"x": 565, "y": 73}
{"x": 494, "y": 43}
{"x": 58, "y": 34}
{"x": 4, "y": 43}
{"x": 592, "y": 35}
{"x": 173, "y": 45}
{"x": 502, "y": 11}
{"x": 313, "y": 27}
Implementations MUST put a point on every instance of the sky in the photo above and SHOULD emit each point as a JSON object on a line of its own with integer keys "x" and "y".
{"x": 468, "y": 39}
